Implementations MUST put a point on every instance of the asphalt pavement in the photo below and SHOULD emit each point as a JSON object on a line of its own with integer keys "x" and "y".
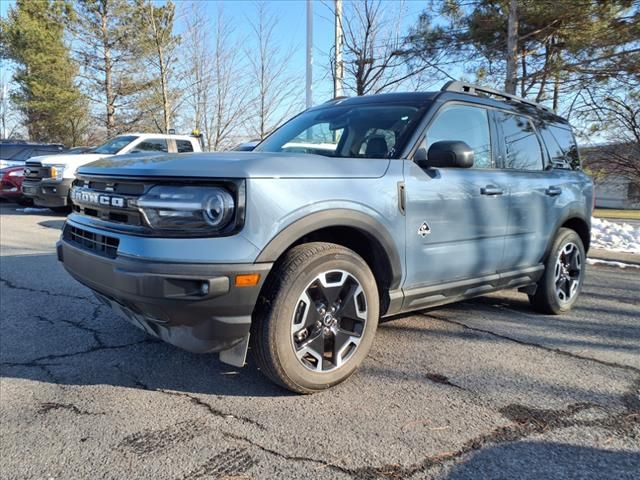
{"x": 480, "y": 389}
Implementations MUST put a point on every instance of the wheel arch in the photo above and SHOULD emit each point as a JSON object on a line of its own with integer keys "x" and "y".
{"x": 354, "y": 230}
{"x": 581, "y": 227}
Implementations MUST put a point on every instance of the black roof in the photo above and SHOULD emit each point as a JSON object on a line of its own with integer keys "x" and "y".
{"x": 452, "y": 91}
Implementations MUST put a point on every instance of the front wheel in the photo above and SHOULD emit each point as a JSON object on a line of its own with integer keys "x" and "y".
{"x": 561, "y": 283}
{"x": 316, "y": 319}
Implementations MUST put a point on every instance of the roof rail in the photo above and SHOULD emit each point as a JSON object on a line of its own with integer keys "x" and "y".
{"x": 336, "y": 99}
{"x": 469, "y": 88}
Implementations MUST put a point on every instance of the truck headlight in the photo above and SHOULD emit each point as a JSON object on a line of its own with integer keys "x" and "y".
{"x": 188, "y": 208}
{"x": 57, "y": 172}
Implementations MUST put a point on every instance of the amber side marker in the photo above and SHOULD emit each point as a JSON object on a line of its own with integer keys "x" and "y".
{"x": 247, "y": 280}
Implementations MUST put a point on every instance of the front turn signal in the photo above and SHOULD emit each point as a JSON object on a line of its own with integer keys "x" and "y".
{"x": 247, "y": 280}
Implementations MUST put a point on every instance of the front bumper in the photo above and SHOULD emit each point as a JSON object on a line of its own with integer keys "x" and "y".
{"x": 48, "y": 193}
{"x": 167, "y": 299}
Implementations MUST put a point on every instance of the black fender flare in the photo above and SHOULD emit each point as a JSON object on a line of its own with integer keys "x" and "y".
{"x": 337, "y": 217}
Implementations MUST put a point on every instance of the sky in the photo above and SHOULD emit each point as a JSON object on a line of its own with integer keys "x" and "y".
{"x": 291, "y": 30}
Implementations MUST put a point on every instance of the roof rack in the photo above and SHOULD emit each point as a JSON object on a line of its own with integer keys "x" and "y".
{"x": 336, "y": 99}
{"x": 463, "y": 87}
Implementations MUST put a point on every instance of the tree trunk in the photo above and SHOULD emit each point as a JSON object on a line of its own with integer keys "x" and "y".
{"x": 108, "y": 85}
{"x": 512, "y": 48}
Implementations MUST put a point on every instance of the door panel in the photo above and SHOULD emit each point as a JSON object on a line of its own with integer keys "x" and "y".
{"x": 532, "y": 194}
{"x": 466, "y": 227}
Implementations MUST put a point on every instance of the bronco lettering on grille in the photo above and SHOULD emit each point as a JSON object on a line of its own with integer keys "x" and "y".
{"x": 83, "y": 196}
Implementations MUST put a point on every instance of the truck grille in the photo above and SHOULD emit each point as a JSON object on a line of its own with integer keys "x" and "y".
{"x": 99, "y": 244}
{"x": 34, "y": 171}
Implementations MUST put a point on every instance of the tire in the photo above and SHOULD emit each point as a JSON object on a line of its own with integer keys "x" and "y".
{"x": 561, "y": 284}
{"x": 294, "y": 317}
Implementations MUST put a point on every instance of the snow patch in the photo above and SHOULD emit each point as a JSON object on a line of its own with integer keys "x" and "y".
{"x": 615, "y": 237}
{"x": 32, "y": 210}
{"x": 609, "y": 263}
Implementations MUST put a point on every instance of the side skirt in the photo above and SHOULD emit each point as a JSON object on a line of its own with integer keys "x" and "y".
{"x": 434, "y": 295}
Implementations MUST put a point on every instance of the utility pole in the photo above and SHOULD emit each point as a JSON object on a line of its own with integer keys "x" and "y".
{"x": 309, "y": 54}
{"x": 339, "y": 73}
{"x": 512, "y": 48}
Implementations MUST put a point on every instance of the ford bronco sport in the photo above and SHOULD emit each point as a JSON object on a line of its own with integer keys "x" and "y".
{"x": 354, "y": 210}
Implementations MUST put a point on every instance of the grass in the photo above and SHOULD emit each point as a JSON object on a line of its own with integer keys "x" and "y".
{"x": 610, "y": 213}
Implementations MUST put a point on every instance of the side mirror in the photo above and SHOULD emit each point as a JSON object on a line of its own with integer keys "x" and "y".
{"x": 446, "y": 154}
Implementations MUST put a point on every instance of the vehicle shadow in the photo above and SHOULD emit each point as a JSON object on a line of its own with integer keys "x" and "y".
{"x": 533, "y": 460}
{"x": 53, "y": 330}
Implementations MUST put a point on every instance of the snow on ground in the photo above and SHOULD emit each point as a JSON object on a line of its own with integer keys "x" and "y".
{"x": 32, "y": 210}
{"x": 614, "y": 236}
{"x": 609, "y": 263}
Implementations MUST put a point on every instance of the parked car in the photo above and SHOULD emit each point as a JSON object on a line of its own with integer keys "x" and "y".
{"x": 424, "y": 199}
{"x": 48, "y": 179}
{"x": 16, "y": 152}
{"x": 11, "y": 184}
{"x": 13, "y": 154}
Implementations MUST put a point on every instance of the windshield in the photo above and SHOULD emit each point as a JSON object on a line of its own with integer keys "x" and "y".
{"x": 370, "y": 131}
{"x": 113, "y": 146}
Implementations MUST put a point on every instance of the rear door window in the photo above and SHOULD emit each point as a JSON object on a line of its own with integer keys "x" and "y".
{"x": 152, "y": 145}
{"x": 521, "y": 145}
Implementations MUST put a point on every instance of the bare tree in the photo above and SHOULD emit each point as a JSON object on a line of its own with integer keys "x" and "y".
{"x": 277, "y": 92}
{"x": 375, "y": 57}
{"x": 198, "y": 78}
{"x": 106, "y": 50}
{"x": 161, "y": 45}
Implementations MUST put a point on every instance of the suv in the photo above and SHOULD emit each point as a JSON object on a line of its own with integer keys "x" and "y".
{"x": 47, "y": 180}
{"x": 423, "y": 199}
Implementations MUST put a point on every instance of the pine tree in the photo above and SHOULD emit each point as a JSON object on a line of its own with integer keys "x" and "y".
{"x": 47, "y": 94}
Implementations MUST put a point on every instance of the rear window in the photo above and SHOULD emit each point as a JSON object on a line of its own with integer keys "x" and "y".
{"x": 184, "y": 146}
{"x": 561, "y": 146}
{"x": 521, "y": 147}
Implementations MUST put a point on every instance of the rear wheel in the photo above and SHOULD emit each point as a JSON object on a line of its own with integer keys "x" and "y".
{"x": 317, "y": 317}
{"x": 561, "y": 284}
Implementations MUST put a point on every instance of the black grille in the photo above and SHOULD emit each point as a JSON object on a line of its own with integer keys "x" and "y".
{"x": 35, "y": 171}
{"x": 125, "y": 191}
{"x": 94, "y": 242}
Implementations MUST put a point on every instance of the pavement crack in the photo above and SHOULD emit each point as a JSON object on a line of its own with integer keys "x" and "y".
{"x": 50, "y": 406}
{"x": 442, "y": 379}
{"x": 533, "y": 344}
{"x": 211, "y": 409}
{"x": 9, "y": 284}
{"x": 37, "y": 362}
{"x": 284, "y": 456}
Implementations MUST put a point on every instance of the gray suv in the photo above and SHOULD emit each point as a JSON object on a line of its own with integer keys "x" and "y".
{"x": 352, "y": 211}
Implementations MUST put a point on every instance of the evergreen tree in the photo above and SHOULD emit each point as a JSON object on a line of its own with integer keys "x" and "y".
{"x": 32, "y": 36}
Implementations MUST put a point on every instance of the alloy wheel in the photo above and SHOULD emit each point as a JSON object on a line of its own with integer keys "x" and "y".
{"x": 329, "y": 321}
{"x": 568, "y": 269}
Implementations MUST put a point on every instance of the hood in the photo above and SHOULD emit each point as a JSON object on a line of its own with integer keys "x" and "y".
{"x": 238, "y": 165}
{"x": 11, "y": 163}
{"x": 68, "y": 160}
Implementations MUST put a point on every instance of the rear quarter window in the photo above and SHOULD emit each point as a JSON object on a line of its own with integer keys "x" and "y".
{"x": 562, "y": 147}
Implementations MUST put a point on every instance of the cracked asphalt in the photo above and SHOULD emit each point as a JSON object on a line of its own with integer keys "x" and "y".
{"x": 480, "y": 389}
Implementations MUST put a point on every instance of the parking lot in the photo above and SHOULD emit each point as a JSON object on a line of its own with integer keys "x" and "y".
{"x": 481, "y": 389}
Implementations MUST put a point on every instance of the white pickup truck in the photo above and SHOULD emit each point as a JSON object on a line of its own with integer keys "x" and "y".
{"x": 48, "y": 179}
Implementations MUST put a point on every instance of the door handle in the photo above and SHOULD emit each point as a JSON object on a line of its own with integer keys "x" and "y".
{"x": 491, "y": 190}
{"x": 553, "y": 191}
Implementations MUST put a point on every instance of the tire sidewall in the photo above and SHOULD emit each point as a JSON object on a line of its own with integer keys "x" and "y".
{"x": 287, "y": 301}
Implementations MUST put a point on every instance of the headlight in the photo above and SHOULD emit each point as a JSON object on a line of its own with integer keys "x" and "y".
{"x": 193, "y": 209}
{"x": 57, "y": 171}
{"x": 17, "y": 173}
